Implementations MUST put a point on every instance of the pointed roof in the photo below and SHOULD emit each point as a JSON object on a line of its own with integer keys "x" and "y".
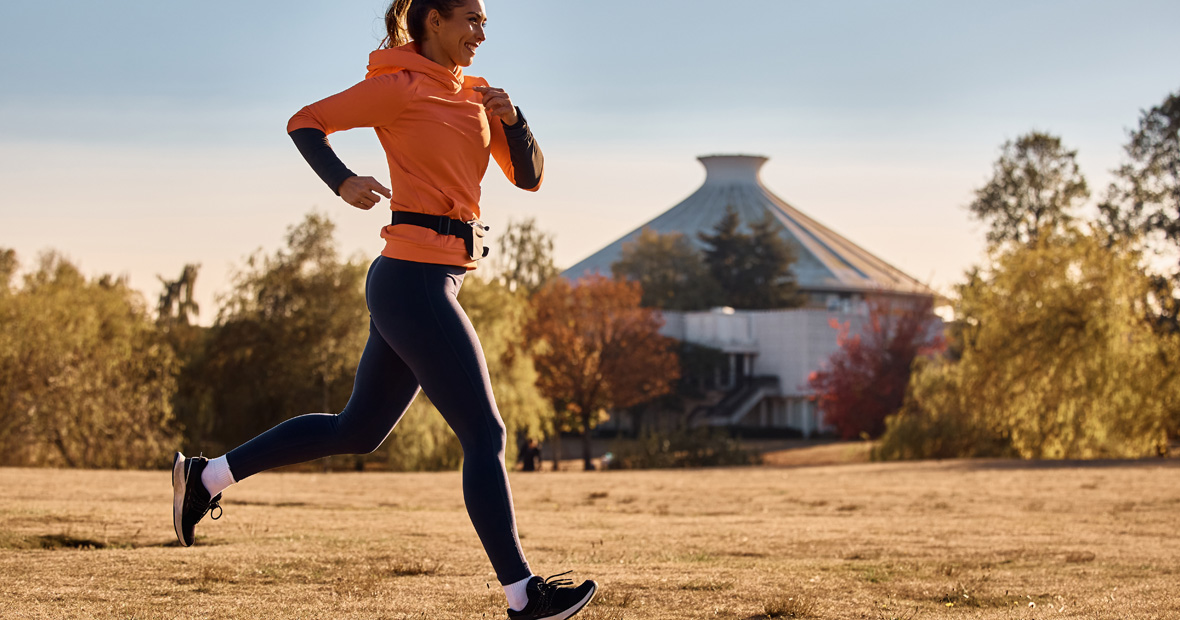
{"x": 826, "y": 261}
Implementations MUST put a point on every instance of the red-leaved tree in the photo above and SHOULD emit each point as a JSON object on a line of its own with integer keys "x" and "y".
{"x": 866, "y": 379}
{"x": 597, "y": 349}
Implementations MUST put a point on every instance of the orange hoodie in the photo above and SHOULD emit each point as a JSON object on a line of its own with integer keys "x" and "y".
{"x": 437, "y": 138}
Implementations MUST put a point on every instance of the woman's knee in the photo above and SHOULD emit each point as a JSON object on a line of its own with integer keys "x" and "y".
{"x": 356, "y": 438}
{"x": 491, "y": 440}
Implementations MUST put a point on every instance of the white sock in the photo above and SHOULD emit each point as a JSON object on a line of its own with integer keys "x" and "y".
{"x": 517, "y": 594}
{"x": 217, "y": 477}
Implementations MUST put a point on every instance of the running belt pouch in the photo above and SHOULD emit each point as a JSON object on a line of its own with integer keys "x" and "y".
{"x": 474, "y": 240}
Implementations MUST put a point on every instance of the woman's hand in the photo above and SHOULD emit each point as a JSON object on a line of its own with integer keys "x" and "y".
{"x": 497, "y": 103}
{"x": 361, "y": 192}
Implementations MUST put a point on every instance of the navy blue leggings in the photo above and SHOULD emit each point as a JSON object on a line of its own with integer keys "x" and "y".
{"x": 418, "y": 335}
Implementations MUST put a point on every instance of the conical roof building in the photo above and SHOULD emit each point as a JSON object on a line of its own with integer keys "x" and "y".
{"x": 826, "y": 262}
{"x": 760, "y": 387}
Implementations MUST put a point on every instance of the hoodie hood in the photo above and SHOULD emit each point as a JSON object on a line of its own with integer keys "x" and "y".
{"x": 409, "y": 57}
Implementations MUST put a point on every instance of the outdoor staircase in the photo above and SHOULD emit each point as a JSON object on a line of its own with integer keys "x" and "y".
{"x": 737, "y": 403}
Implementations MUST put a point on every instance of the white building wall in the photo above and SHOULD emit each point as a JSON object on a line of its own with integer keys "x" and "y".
{"x": 789, "y": 344}
{"x": 794, "y": 343}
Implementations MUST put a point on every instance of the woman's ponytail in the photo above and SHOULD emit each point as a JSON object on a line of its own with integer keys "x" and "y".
{"x": 405, "y": 20}
{"x": 396, "y": 32}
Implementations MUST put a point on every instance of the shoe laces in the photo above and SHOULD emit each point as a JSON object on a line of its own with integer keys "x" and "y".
{"x": 547, "y": 588}
{"x": 553, "y": 582}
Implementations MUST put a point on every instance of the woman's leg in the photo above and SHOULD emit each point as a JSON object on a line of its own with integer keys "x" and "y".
{"x": 414, "y": 306}
{"x": 383, "y": 390}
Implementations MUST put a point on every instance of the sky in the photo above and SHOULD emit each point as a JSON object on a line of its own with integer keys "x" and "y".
{"x": 137, "y": 136}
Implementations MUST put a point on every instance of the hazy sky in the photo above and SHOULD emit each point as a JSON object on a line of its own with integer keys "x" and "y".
{"x": 137, "y": 136}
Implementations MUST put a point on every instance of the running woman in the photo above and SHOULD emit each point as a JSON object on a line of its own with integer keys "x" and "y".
{"x": 439, "y": 128}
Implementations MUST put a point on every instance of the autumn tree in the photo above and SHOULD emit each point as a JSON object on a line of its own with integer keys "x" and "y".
{"x": 85, "y": 378}
{"x": 865, "y": 380}
{"x": 671, "y": 271}
{"x": 1035, "y": 190}
{"x": 599, "y": 349}
{"x": 753, "y": 269}
{"x": 524, "y": 258}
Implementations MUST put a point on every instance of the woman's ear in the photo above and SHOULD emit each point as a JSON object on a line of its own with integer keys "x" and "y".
{"x": 434, "y": 20}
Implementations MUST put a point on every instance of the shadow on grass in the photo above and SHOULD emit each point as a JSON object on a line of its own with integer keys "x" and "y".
{"x": 50, "y": 541}
{"x": 18, "y": 542}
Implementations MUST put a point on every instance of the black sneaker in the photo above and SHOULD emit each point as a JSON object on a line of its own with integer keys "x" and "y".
{"x": 554, "y": 599}
{"x": 190, "y": 499}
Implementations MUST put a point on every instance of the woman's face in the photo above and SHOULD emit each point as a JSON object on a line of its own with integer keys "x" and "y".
{"x": 456, "y": 37}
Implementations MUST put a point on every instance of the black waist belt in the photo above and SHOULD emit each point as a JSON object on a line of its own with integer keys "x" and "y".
{"x": 440, "y": 224}
{"x": 470, "y": 232}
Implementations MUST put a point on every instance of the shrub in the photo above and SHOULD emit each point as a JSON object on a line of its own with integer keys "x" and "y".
{"x": 702, "y": 447}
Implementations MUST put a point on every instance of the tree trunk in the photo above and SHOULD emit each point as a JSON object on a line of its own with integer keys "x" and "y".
{"x": 586, "y": 463}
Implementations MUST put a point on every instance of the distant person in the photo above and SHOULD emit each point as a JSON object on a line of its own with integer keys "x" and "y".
{"x": 530, "y": 456}
{"x": 439, "y": 128}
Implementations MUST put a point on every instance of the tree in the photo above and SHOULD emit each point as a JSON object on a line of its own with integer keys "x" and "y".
{"x": 288, "y": 336}
{"x": 1059, "y": 360}
{"x": 670, "y": 270}
{"x": 524, "y": 260}
{"x": 865, "y": 380}
{"x": 598, "y": 350}
{"x": 192, "y": 403}
{"x": 176, "y": 302}
{"x": 1143, "y": 202}
{"x": 8, "y": 265}
{"x": 85, "y": 378}
{"x": 1035, "y": 188}
{"x": 753, "y": 269}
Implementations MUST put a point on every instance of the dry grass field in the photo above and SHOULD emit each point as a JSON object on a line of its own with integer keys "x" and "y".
{"x": 877, "y": 541}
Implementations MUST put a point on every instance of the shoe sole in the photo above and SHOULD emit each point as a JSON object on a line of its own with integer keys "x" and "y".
{"x": 576, "y": 608}
{"x": 178, "y": 487}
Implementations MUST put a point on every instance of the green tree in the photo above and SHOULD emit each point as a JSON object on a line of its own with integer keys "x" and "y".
{"x": 85, "y": 378}
{"x": 1035, "y": 189}
{"x": 1143, "y": 202}
{"x": 1058, "y": 360}
{"x": 177, "y": 304}
{"x": 671, "y": 271}
{"x": 8, "y": 265}
{"x": 192, "y": 402}
{"x": 753, "y": 269}
{"x": 288, "y": 336}
{"x": 524, "y": 260}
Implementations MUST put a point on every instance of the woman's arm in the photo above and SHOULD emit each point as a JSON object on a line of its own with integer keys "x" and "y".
{"x": 371, "y": 103}
{"x": 513, "y": 144}
{"x": 528, "y": 163}
{"x": 313, "y": 145}
{"x": 360, "y": 192}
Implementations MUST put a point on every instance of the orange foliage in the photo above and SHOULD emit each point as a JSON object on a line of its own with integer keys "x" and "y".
{"x": 598, "y": 349}
{"x": 865, "y": 381}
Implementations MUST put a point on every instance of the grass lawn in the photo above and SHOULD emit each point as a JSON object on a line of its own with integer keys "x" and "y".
{"x": 952, "y": 539}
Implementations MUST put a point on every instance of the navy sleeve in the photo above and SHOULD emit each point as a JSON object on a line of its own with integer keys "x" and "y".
{"x": 527, "y": 159}
{"x": 313, "y": 145}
